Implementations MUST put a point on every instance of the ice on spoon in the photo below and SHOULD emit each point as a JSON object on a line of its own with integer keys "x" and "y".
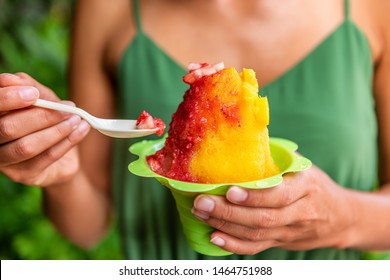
{"x": 146, "y": 121}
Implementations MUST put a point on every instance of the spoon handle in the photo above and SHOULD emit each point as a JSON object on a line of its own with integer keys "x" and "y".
{"x": 66, "y": 108}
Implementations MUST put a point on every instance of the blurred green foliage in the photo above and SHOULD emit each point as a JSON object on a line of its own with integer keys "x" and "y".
{"x": 34, "y": 39}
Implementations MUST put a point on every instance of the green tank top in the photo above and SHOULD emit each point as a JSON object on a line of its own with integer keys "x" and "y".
{"x": 324, "y": 104}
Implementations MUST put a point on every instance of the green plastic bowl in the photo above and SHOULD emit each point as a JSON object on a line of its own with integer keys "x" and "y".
{"x": 196, "y": 231}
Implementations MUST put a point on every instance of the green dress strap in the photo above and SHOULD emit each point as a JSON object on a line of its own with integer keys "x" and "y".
{"x": 347, "y": 9}
{"x": 137, "y": 15}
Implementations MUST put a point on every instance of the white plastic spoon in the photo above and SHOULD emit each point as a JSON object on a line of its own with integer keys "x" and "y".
{"x": 109, "y": 127}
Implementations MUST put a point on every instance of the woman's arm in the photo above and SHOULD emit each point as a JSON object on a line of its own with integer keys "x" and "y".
{"x": 373, "y": 227}
{"x": 81, "y": 208}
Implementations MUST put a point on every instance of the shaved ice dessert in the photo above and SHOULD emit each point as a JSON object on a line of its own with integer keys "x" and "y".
{"x": 217, "y": 137}
{"x": 219, "y": 132}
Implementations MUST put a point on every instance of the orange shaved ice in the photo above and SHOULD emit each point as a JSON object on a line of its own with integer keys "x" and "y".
{"x": 219, "y": 132}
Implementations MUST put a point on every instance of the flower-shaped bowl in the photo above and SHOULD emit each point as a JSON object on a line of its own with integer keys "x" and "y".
{"x": 196, "y": 231}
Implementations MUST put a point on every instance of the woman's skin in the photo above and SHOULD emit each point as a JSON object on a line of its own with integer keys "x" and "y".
{"x": 60, "y": 153}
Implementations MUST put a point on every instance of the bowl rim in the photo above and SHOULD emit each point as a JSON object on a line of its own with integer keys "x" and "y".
{"x": 144, "y": 148}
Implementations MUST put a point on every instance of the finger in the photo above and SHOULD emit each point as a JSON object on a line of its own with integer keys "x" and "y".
{"x": 207, "y": 207}
{"x": 32, "y": 145}
{"x": 248, "y": 247}
{"x": 17, "y": 124}
{"x": 45, "y": 92}
{"x": 281, "y": 234}
{"x": 239, "y": 246}
{"x": 16, "y": 97}
{"x": 56, "y": 152}
{"x": 290, "y": 190}
{"x": 7, "y": 80}
{"x": 23, "y": 79}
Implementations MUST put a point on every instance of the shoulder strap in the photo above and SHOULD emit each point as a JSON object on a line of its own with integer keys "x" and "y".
{"x": 137, "y": 16}
{"x": 346, "y": 9}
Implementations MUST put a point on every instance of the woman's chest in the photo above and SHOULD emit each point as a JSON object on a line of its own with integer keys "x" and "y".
{"x": 270, "y": 40}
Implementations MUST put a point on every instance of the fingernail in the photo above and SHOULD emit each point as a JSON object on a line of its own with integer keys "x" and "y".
{"x": 200, "y": 215}
{"x": 83, "y": 127}
{"x": 204, "y": 203}
{"x": 218, "y": 241}
{"x": 28, "y": 93}
{"x": 74, "y": 121}
{"x": 236, "y": 194}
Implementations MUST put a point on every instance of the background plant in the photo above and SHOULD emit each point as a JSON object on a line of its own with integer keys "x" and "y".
{"x": 34, "y": 39}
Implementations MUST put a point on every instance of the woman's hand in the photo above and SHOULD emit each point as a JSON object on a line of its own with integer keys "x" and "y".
{"x": 37, "y": 146}
{"x": 308, "y": 210}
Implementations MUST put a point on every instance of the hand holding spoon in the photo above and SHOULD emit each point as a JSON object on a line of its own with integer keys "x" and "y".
{"x": 110, "y": 127}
